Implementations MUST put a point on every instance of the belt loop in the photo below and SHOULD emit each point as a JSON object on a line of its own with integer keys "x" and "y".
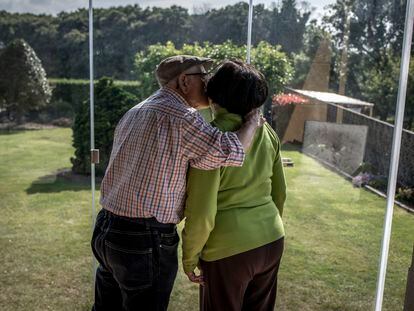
{"x": 147, "y": 224}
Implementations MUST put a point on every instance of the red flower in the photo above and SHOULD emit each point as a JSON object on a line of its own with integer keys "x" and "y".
{"x": 288, "y": 99}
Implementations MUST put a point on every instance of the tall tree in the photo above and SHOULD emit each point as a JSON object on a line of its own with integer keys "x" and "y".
{"x": 23, "y": 82}
{"x": 373, "y": 34}
{"x": 62, "y": 41}
{"x": 287, "y": 25}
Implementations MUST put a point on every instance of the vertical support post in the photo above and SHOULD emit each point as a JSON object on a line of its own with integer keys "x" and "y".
{"x": 395, "y": 155}
{"x": 92, "y": 119}
{"x": 409, "y": 292}
{"x": 249, "y": 31}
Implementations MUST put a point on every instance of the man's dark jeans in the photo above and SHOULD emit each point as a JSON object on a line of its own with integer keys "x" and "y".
{"x": 137, "y": 263}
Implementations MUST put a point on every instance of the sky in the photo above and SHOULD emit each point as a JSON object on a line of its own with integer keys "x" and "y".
{"x": 56, "y": 6}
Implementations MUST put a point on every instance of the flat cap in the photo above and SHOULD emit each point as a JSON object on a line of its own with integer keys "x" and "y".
{"x": 171, "y": 67}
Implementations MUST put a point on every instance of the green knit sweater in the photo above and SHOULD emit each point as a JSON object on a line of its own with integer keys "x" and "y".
{"x": 235, "y": 209}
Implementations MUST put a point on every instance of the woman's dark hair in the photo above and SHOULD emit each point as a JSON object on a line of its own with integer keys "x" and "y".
{"x": 238, "y": 87}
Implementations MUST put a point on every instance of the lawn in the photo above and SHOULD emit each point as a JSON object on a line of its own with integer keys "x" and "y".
{"x": 332, "y": 243}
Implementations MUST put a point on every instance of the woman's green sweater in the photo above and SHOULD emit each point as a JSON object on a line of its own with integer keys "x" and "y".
{"x": 235, "y": 209}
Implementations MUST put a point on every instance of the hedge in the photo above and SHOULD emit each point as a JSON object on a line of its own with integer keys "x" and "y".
{"x": 68, "y": 94}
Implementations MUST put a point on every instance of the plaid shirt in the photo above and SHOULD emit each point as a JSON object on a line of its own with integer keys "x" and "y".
{"x": 154, "y": 143}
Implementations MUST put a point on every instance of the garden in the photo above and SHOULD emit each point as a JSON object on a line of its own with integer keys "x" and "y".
{"x": 332, "y": 242}
{"x": 333, "y": 224}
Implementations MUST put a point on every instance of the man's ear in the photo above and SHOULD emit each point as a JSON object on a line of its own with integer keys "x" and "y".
{"x": 183, "y": 83}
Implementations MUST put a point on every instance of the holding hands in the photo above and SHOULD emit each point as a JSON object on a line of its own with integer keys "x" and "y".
{"x": 193, "y": 277}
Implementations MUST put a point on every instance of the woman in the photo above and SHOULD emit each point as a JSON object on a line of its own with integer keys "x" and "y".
{"x": 234, "y": 231}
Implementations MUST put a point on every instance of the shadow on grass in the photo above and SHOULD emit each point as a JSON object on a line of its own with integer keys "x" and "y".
{"x": 292, "y": 147}
{"x": 62, "y": 180}
{"x": 4, "y": 132}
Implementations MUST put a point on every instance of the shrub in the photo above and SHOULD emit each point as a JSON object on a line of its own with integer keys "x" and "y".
{"x": 111, "y": 103}
{"x": 69, "y": 94}
{"x": 267, "y": 58}
{"x": 405, "y": 195}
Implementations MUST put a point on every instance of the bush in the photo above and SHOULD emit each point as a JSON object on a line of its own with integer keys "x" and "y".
{"x": 269, "y": 59}
{"x": 111, "y": 103}
{"x": 68, "y": 95}
{"x": 405, "y": 195}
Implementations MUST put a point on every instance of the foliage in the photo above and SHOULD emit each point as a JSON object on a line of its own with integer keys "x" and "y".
{"x": 68, "y": 95}
{"x": 62, "y": 41}
{"x": 287, "y": 25}
{"x": 270, "y": 60}
{"x": 147, "y": 61}
{"x": 302, "y": 59}
{"x": 405, "y": 195}
{"x": 409, "y": 104}
{"x": 74, "y": 91}
{"x": 23, "y": 83}
{"x": 365, "y": 167}
{"x": 380, "y": 84}
{"x": 375, "y": 40}
{"x": 111, "y": 103}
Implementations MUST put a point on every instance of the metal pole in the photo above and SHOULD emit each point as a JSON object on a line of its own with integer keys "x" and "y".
{"x": 249, "y": 31}
{"x": 395, "y": 155}
{"x": 409, "y": 292}
{"x": 92, "y": 119}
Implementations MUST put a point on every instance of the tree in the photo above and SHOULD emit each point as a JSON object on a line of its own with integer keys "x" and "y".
{"x": 61, "y": 41}
{"x": 380, "y": 85}
{"x": 220, "y": 25}
{"x": 287, "y": 25}
{"x": 375, "y": 38}
{"x": 23, "y": 82}
{"x": 302, "y": 60}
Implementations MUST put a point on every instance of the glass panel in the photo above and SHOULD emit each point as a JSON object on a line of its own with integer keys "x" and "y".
{"x": 335, "y": 119}
{"x": 332, "y": 69}
{"x": 45, "y": 225}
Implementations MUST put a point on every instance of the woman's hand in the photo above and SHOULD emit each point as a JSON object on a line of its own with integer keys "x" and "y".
{"x": 198, "y": 279}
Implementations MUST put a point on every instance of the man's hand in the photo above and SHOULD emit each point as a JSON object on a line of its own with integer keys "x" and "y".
{"x": 253, "y": 120}
{"x": 198, "y": 279}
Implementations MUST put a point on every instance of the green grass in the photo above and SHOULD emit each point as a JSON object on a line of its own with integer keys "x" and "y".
{"x": 332, "y": 243}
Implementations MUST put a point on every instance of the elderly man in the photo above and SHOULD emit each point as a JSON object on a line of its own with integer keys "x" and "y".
{"x": 143, "y": 191}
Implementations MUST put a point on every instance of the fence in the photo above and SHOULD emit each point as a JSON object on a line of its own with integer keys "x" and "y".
{"x": 377, "y": 149}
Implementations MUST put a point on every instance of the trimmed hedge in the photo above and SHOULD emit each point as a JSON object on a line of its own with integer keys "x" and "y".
{"x": 69, "y": 94}
{"x": 111, "y": 103}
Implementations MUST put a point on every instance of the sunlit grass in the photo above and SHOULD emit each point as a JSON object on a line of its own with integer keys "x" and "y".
{"x": 332, "y": 243}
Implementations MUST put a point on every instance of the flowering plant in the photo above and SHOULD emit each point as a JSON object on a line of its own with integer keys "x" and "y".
{"x": 361, "y": 179}
{"x": 288, "y": 99}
